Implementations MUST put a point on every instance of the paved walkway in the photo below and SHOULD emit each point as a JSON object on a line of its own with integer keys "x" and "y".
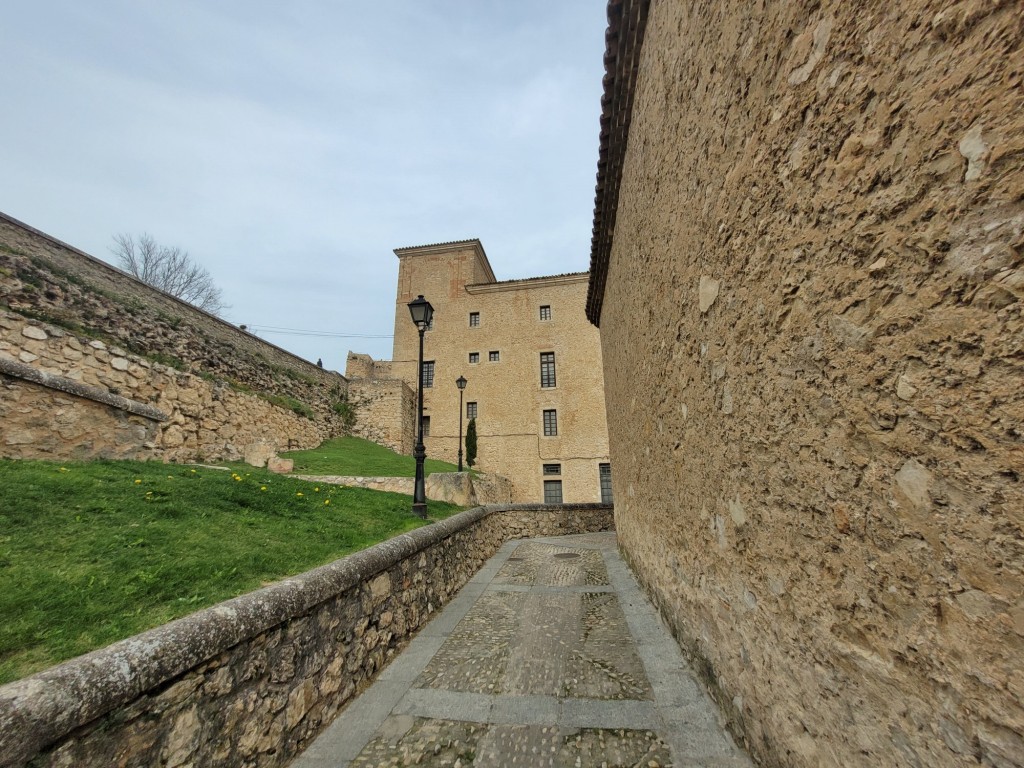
{"x": 550, "y": 656}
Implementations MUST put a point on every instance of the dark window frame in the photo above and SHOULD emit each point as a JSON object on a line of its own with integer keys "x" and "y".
{"x": 552, "y": 469}
{"x": 494, "y": 356}
{"x": 548, "y": 380}
{"x": 545, "y": 312}
{"x": 553, "y": 492}
{"x": 549, "y": 418}
{"x": 604, "y": 475}
{"x": 474, "y": 319}
{"x": 471, "y": 409}
{"x": 474, "y": 358}
{"x": 428, "y": 373}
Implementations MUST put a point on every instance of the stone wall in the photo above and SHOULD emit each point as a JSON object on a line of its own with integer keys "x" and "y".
{"x": 252, "y": 681}
{"x": 69, "y": 396}
{"x": 43, "y": 278}
{"x": 813, "y": 353}
{"x": 360, "y": 366}
{"x": 461, "y": 488}
{"x": 385, "y": 412}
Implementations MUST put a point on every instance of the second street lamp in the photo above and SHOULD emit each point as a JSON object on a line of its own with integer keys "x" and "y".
{"x": 461, "y": 384}
{"x": 422, "y": 313}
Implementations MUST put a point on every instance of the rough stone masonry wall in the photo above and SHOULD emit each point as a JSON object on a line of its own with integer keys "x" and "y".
{"x": 48, "y": 280}
{"x": 252, "y": 681}
{"x": 64, "y": 396}
{"x": 813, "y": 357}
{"x": 385, "y": 412}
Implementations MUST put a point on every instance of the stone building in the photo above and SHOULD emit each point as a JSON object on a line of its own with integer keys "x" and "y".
{"x": 532, "y": 360}
{"x": 807, "y": 273}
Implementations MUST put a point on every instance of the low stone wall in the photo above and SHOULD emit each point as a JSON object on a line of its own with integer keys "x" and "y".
{"x": 252, "y": 681}
{"x": 64, "y": 396}
{"x": 462, "y": 488}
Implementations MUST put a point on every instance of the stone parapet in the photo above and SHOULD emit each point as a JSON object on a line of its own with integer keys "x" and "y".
{"x": 253, "y": 680}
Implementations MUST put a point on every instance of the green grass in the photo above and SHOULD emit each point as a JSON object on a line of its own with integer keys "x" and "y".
{"x": 91, "y": 553}
{"x": 358, "y": 457}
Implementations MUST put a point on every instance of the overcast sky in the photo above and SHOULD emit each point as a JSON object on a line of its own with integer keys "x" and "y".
{"x": 289, "y": 147}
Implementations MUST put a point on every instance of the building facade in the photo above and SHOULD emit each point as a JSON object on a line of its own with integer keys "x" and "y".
{"x": 533, "y": 366}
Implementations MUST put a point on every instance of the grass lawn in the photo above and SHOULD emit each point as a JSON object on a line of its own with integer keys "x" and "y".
{"x": 355, "y": 456}
{"x": 91, "y": 553}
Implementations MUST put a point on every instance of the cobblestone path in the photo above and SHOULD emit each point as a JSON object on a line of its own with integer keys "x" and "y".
{"x": 550, "y": 656}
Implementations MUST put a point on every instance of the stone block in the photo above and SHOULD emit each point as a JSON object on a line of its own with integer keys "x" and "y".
{"x": 257, "y": 454}
{"x": 279, "y": 465}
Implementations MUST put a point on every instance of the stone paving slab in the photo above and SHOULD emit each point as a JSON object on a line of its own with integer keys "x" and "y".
{"x": 551, "y": 656}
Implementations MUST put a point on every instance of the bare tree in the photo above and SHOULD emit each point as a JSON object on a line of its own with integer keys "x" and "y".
{"x": 169, "y": 269}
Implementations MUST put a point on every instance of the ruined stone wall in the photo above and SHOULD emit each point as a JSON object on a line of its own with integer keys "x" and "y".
{"x": 64, "y": 396}
{"x": 385, "y": 412}
{"x": 813, "y": 355}
{"x": 360, "y": 366}
{"x": 48, "y": 280}
{"x": 252, "y": 681}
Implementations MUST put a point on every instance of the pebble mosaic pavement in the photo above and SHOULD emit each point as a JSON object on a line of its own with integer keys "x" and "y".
{"x": 550, "y": 656}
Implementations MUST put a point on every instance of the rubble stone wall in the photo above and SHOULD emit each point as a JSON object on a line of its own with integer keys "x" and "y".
{"x": 180, "y": 416}
{"x": 385, "y": 412}
{"x": 252, "y": 681}
{"x": 50, "y": 281}
{"x": 814, "y": 368}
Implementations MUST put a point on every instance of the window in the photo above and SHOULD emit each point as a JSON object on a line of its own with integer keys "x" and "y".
{"x": 493, "y": 356}
{"x": 428, "y": 373}
{"x": 547, "y": 369}
{"x": 550, "y": 422}
{"x": 604, "y": 472}
{"x": 545, "y": 312}
{"x": 474, "y": 357}
{"x": 426, "y": 426}
{"x": 552, "y": 491}
{"x": 470, "y": 410}
{"x": 474, "y": 319}
{"x": 552, "y": 469}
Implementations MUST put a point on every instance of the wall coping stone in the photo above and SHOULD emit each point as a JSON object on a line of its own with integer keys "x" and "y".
{"x": 19, "y": 370}
{"x": 47, "y": 706}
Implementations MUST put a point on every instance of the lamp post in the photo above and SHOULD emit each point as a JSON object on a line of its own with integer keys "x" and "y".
{"x": 461, "y": 384}
{"x": 422, "y": 313}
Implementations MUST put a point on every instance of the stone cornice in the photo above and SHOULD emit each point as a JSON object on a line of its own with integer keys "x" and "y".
{"x": 529, "y": 282}
{"x": 623, "y": 41}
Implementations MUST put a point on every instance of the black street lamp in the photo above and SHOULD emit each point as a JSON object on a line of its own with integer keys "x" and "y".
{"x": 461, "y": 384}
{"x": 422, "y": 313}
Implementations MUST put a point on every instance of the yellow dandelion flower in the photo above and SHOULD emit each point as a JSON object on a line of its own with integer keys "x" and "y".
{"x": 326, "y": 502}
{"x": 138, "y": 482}
{"x": 63, "y": 469}
{"x": 299, "y": 493}
{"x": 317, "y": 489}
{"x": 192, "y": 471}
{"x": 263, "y": 487}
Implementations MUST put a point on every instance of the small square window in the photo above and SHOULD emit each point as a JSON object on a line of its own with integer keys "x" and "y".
{"x": 552, "y": 491}
{"x": 550, "y": 422}
{"x": 474, "y": 357}
{"x": 493, "y": 356}
{"x": 474, "y": 319}
{"x": 428, "y": 373}
{"x": 545, "y": 312}
{"x": 552, "y": 469}
{"x": 470, "y": 410}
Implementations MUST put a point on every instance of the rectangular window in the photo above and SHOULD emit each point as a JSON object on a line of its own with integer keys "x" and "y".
{"x": 552, "y": 469}
{"x": 545, "y": 312}
{"x": 547, "y": 369}
{"x": 604, "y": 471}
{"x": 426, "y": 426}
{"x": 552, "y": 491}
{"x": 474, "y": 319}
{"x": 428, "y": 373}
{"x": 470, "y": 410}
{"x": 550, "y": 422}
{"x": 493, "y": 356}
{"x": 474, "y": 357}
